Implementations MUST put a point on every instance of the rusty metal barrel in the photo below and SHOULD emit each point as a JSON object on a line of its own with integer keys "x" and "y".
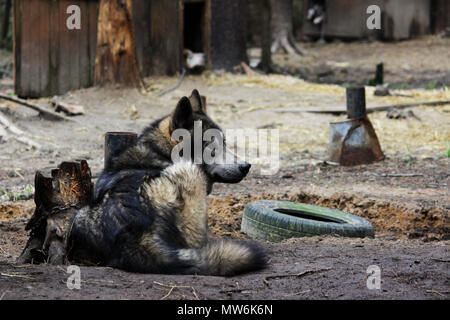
{"x": 354, "y": 141}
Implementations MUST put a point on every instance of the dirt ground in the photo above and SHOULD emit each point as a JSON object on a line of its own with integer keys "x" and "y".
{"x": 409, "y": 212}
{"x": 418, "y": 63}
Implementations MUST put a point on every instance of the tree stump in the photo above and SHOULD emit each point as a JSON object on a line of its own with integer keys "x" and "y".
{"x": 266, "y": 38}
{"x": 116, "y": 48}
{"x": 282, "y": 28}
{"x": 58, "y": 196}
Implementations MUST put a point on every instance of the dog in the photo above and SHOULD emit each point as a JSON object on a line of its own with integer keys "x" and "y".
{"x": 149, "y": 214}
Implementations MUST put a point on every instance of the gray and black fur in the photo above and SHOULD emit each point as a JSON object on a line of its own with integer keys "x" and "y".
{"x": 149, "y": 215}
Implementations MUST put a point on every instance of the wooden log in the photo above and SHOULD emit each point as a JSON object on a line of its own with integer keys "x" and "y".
{"x": 58, "y": 196}
{"x": 340, "y": 111}
{"x": 44, "y": 112}
{"x": 68, "y": 109}
{"x": 75, "y": 185}
{"x": 43, "y": 194}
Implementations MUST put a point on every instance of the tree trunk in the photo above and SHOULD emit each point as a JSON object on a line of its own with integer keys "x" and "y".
{"x": 228, "y": 30}
{"x": 57, "y": 196}
{"x": 282, "y": 27}
{"x": 116, "y": 49}
{"x": 266, "y": 37}
{"x": 5, "y": 23}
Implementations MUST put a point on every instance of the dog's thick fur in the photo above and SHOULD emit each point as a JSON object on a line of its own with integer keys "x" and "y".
{"x": 150, "y": 215}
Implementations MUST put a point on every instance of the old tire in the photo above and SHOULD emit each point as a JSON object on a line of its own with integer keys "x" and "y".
{"x": 278, "y": 220}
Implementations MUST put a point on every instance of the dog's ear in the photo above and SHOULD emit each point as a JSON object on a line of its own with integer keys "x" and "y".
{"x": 196, "y": 102}
{"x": 182, "y": 116}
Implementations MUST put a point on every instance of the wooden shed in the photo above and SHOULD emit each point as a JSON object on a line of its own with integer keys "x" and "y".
{"x": 214, "y": 27}
{"x": 400, "y": 19}
{"x": 50, "y": 59}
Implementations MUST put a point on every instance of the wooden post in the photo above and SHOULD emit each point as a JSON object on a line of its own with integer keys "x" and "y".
{"x": 379, "y": 74}
{"x": 115, "y": 142}
{"x": 356, "y": 102}
{"x": 203, "y": 102}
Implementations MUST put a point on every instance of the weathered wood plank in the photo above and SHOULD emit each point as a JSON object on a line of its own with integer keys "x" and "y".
{"x": 44, "y": 48}
{"x": 17, "y": 25}
{"x": 33, "y": 24}
{"x": 65, "y": 57}
{"x": 73, "y": 39}
{"x": 141, "y": 20}
{"x": 228, "y": 45}
{"x": 54, "y": 48}
{"x": 23, "y": 54}
{"x": 164, "y": 37}
{"x": 84, "y": 46}
{"x": 93, "y": 21}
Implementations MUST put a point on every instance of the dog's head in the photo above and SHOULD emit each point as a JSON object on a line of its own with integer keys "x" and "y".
{"x": 205, "y": 141}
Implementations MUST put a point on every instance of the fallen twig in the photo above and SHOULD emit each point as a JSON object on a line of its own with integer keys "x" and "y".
{"x": 440, "y": 260}
{"x": 17, "y": 134}
{"x": 298, "y": 275}
{"x": 235, "y": 290}
{"x": 302, "y": 292}
{"x": 369, "y": 109}
{"x": 15, "y": 275}
{"x": 437, "y": 292}
{"x": 248, "y": 71}
{"x": 297, "y": 293}
{"x": 396, "y": 175}
{"x": 35, "y": 107}
{"x": 69, "y": 109}
{"x": 172, "y": 287}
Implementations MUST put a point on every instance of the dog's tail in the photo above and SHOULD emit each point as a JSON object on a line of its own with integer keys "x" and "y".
{"x": 224, "y": 257}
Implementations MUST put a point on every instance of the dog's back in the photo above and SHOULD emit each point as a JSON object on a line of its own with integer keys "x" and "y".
{"x": 149, "y": 215}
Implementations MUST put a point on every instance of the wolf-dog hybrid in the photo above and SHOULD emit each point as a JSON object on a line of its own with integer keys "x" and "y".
{"x": 149, "y": 214}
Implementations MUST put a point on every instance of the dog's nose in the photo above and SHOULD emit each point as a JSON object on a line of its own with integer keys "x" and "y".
{"x": 245, "y": 167}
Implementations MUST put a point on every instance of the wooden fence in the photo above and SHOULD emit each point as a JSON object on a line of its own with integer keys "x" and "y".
{"x": 50, "y": 59}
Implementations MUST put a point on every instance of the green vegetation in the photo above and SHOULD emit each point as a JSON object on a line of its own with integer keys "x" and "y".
{"x": 410, "y": 159}
{"x": 404, "y": 85}
{"x": 431, "y": 85}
